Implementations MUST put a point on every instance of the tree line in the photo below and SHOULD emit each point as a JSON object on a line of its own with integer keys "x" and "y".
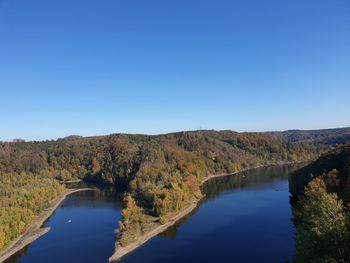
{"x": 158, "y": 174}
{"x": 321, "y": 215}
{"x": 22, "y": 197}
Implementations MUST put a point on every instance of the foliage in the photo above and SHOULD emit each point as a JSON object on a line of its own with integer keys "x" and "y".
{"x": 322, "y": 225}
{"x": 132, "y": 218}
{"x": 22, "y": 196}
{"x": 333, "y": 166}
{"x": 320, "y": 217}
{"x": 160, "y": 174}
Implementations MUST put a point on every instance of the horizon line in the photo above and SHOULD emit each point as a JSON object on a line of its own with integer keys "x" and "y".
{"x": 16, "y": 140}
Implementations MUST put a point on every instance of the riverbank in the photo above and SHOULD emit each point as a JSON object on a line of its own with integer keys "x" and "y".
{"x": 70, "y": 181}
{"x": 122, "y": 251}
{"x": 34, "y": 230}
{"x": 247, "y": 169}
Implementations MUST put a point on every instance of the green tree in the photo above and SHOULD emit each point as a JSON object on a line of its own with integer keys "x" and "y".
{"x": 321, "y": 222}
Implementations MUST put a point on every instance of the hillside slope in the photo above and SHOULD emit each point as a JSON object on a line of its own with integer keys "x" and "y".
{"x": 160, "y": 174}
{"x": 333, "y": 166}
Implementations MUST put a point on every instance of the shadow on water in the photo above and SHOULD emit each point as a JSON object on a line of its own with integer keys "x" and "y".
{"x": 239, "y": 212}
{"x": 244, "y": 180}
{"x": 243, "y": 218}
{"x": 82, "y": 230}
{"x": 17, "y": 256}
{"x": 248, "y": 179}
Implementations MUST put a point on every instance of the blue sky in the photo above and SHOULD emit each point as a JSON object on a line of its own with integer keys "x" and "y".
{"x": 93, "y": 67}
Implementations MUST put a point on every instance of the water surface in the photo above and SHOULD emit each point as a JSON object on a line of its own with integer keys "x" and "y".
{"x": 88, "y": 237}
{"x": 243, "y": 218}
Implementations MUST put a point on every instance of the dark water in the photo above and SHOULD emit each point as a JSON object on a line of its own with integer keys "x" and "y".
{"x": 89, "y": 237}
{"x": 244, "y": 218}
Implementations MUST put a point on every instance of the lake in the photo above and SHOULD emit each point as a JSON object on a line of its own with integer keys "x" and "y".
{"x": 243, "y": 218}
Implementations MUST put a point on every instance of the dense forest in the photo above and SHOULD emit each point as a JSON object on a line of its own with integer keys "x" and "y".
{"x": 321, "y": 215}
{"x": 22, "y": 197}
{"x": 158, "y": 174}
{"x": 333, "y": 166}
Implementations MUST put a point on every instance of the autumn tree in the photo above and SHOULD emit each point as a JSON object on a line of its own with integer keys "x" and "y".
{"x": 322, "y": 226}
{"x": 2, "y": 238}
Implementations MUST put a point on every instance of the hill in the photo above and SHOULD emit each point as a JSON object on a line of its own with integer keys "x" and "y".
{"x": 321, "y": 213}
{"x": 333, "y": 166}
{"x": 159, "y": 174}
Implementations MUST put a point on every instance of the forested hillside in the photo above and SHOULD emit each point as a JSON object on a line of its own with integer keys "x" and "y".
{"x": 159, "y": 174}
{"x": 110, "y": 157}
{"x": 321, "y": 215}
{"x": 333, "y": 166}
{"x": 22, "y": 197}
{"x": 326, "y": 137}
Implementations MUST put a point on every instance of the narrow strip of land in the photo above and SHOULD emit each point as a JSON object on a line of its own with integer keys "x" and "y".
{"x": 122, "y": 251}
{"x": 34, "y": 230}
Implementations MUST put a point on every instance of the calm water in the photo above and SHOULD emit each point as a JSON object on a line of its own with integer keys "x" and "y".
{"x": 244, "y": 218}
{"x": 89, "y": 237}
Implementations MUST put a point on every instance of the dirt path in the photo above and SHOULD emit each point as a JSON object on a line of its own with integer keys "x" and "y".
{"x": 34, "y": 230}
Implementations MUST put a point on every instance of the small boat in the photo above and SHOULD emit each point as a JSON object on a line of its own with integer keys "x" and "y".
{"x": 69, "y": 221}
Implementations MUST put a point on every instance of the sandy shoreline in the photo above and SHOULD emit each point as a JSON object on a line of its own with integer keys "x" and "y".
{"x": 122, "y": 251}
{"x": 34, "y": 230}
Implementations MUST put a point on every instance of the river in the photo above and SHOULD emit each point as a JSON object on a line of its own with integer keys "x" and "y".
{"x": 243, "y": 218}
{"x": 82, "y": 230}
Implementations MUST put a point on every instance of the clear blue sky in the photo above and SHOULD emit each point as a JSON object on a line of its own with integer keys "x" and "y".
{"x": 97, "y": 67}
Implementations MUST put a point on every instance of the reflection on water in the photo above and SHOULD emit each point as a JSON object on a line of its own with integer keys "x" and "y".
{"x": 249, "y": 179}
{"x": 243, "y": 218}
{"x": 171, "y": 232}
{"x": 16, "y": 257}
{"x": 82, "y": 230}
